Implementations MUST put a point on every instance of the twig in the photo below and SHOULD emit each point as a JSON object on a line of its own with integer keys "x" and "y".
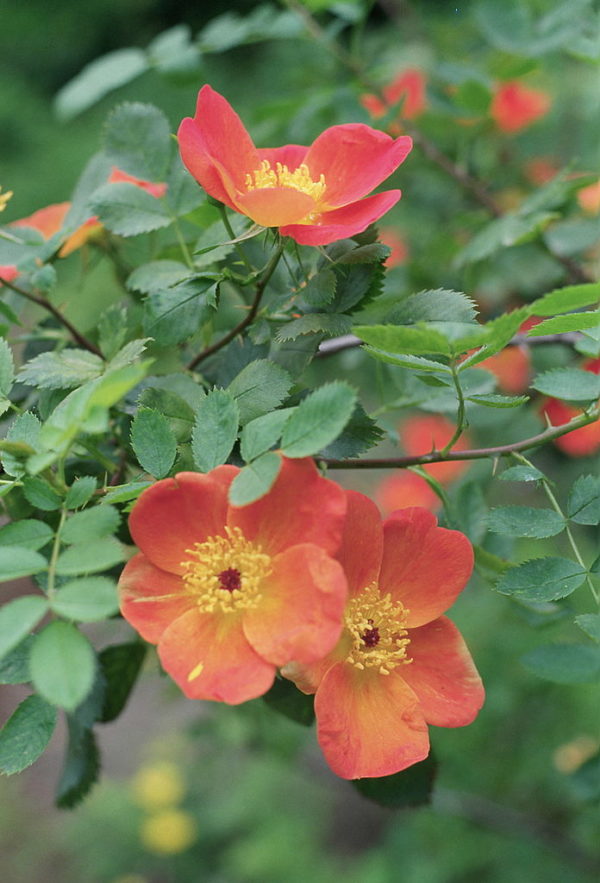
{"x": 474, "y": 454}
{"x": 248, "y": 318}
{"x": 42, "y": 301}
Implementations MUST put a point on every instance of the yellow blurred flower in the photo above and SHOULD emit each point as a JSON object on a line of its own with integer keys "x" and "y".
{"x": 168, "y": 831}
{"x": 570, "y": 756}
{"x": 158, "y": 785}
{"x": 4, "y": 197}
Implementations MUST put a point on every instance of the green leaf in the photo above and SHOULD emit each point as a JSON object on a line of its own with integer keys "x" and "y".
{"x": 586, "y": 779}
{"x": 255, "y": 480}
{"x": 318, "y": 419}
{"x": 98, "y": 79}
{"x": 524, "y": 521}
{"x": 409, "y": 788}
{"x": 215, "y": 429}
{"x": 315, "y": 323}
{"x": 153, "y": 442}
{"x": 25, "y": 428}
{"x": 41, "y": 494}
{"x": 175, "y": 314}
{"x": 156, "y": 276}
{"x": 62, "y": 665}
{"x": 87, "y": 600}
{"x": 7, "y": 368}
{"x": 179, "y": 413}
{"x": 583, "y": 505}
{"x": 439, "y": 305}
{"x": 590, "y": 624}
{"x": 174, "y": 54}
{"x": 120, "y": 665}
{"x": 14, "y": 668}
{"x": 137, "y": 139}
{"x": 572, "y": 384}
{"x": 263, "y": 433}
{"x": 80, "y": 491}
{"x": 492, "y": 400}
{"x": 91, "y": 524}
{"x": 61, "y": 370}
{"x": 542, "y": 579}
{"x": 360, "y": 434}
{"x": 16, "y": 561}
{"x": 563, "y": 300}
{"x": 563, "y": 324}
{"x": 26, "y": 734}
{"x": 18, "y": 618}
{"x": 123, "y": 493}
{"x": 128, "y": 210}
{"x": 404, "y": 339}
{"x": 372, "y": 253}
{"x": 511, "y": 229}
{"x": 90, "y": 557}
{"x": 82, "y": 766}
{"x": 521, "y": 473}
{"x": 417, "y": 363}
{"x": 564, "y": 663}
{"x": 28, "y": 533}
{"x": 285, "y": 698}
{"x": 320, "y": 289}
{"x": 259, "y": 388}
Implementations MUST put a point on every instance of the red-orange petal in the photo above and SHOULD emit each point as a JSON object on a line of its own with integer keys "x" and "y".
{"x": 343, "y": 222}
{"x": 199, "y": 162}
{"x": 48, "y": 220}
{"x": 424, "y": 566}
{"x": 368, "y": 724}
{"x": 151, "y": 598}
{"x": 405, "y": 489}
{"x": 354, "y": 159}
{"x": 300, "y": 614}
{"x": 301, "y": 507}
{"x": 275, "y": 206}
{"x": 443, "y": 674}
{"x": 208, "y": 656}
{"x": 173, "y": 514}
{"x": 290, "y": 155}
{"x": 361, "y": 550}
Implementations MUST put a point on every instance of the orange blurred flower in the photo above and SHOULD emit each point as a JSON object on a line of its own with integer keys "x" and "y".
{"x": 409, "y": 86}
{"x": 399, "y": 664}
{"x": 231, "y": 593}
{"x": 589, "y": 198}
{"x": 583, "y": 441}
{"x": 540, "y": 170}
{"x": 399, "y": 248}
{"x": 511, "y": 368}
{"x": 514, "y": 106}
{"x": 403, "y": 490}
{"x": 423, "y": 433}
{"x": 313, "y": 194}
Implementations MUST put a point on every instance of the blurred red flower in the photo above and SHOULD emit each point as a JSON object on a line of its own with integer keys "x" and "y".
{"x": 231, "y": 593}
{"x": 399, "y": 664}
{"x": 583, "y": 441}
{"x": 313, "y": 194}
{"x": 399, "y": 248}
{"x": 589, "y": 198}
{"x": 403, "y": 490}
{"x": 425, "y": 432}
{"x": 409, "y": 86}
{"x": 514, "y": 106}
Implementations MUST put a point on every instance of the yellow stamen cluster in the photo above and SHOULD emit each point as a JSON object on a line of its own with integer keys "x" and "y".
{"x": 4, "y": 197}
{"x": 280, "y": 176}
{"x": 377, "y": 627}
{"x": 208, "y": 572}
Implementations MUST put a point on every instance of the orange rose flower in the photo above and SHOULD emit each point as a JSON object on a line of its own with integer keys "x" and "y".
{"x": 408, "y": 85}
{"x": 589, "y": 198}
{"x": 398, "y": 246}
{"x": 231, "y": 593}
{"x": 8, "y": 272}
{"x": 399, "y": 664}
{"x": 581, "y": 442}
{"x": 313, "y": 194}
{"x": 403, "y": 490}
{"x": 511, "y": 367}
{"x": 514, "y": 106}
{"x": 424, "y": 433}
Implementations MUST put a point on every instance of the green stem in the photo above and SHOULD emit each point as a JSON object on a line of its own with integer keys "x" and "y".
{"x": 555, "y": 505}
{"x": 54, "y": 556}
{"x": 233, "y": 237}
{"x": 182, "y": 244}
{"x": 460, "y": 413}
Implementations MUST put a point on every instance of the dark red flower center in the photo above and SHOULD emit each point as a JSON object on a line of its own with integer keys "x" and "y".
{"x": 371, "y": 637}
{"x": 230, "y": 579}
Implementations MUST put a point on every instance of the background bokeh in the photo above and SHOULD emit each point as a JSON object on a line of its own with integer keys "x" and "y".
{"x": 192, "y": 792}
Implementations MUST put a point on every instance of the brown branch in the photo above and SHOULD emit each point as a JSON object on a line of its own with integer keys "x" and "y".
{"x": 349, "y": 341}
{"x": 474, "y": 454}
{"x": 43, "y": 302}
{"x": 248, "y": 318}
